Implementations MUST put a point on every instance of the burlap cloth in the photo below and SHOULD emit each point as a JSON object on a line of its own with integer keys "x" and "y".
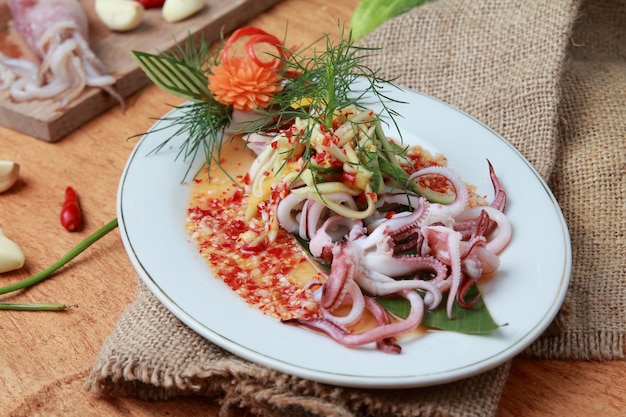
{"x": 547, "y": 75}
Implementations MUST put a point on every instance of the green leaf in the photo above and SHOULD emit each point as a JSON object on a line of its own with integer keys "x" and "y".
{"x": 475, "y": 320}
{"x": 372, "y": 13}
{"x": 173, "y": 76}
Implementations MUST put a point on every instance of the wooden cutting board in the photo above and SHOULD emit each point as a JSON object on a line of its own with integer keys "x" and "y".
{"x": 43, "y": 120}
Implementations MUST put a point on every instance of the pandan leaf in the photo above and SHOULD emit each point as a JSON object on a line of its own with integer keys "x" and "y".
{"x": 475, "y": 320}
{"x": 372, "y": 13}
{"x": 173, "y": 76}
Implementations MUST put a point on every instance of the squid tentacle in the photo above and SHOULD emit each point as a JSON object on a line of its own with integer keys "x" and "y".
{"x": 56, "y": 33}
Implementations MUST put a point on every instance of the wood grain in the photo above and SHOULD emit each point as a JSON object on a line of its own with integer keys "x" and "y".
{"x": 44, "y": 357}
{"x": 43, "y": 119}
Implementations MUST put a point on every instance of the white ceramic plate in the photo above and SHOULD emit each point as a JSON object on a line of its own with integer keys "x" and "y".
{"x": 526, "y": 293}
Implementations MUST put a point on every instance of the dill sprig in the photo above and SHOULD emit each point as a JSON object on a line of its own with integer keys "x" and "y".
{"x": 197, "y": 54}
{"x": 202, "y": 121}
{"x": 325, "y": 81}
{"x": 202, "y": 124}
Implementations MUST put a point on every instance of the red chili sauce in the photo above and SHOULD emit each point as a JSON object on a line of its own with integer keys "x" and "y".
{"x": 272, "y": 280}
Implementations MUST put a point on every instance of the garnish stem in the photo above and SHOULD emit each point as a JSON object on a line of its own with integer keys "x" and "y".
{"x": 88, "y": 241}
{"x": 329, "y": 109}
{"x": 33, "y": 306}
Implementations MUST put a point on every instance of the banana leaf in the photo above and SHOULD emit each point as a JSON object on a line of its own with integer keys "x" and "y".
{"x": 475, "y": 320}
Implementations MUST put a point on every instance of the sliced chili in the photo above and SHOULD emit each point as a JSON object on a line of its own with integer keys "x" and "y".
{"x": 257, "y": 36}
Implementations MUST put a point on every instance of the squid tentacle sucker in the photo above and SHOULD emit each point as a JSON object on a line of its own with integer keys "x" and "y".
{"x": 392, "y": 255}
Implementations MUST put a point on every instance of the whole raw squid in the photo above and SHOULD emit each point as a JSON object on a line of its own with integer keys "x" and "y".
{"x": 56, "y": 31}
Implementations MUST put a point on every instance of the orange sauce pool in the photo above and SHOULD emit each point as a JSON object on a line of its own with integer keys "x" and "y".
{"x": 272, "y": 280}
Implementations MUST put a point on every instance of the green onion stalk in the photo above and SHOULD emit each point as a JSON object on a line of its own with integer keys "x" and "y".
{"x": 46, "y": 273}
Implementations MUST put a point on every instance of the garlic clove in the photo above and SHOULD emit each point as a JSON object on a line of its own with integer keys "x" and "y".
{"x": 11, "y": 256}
{"x": 9, "y": 174}
{"x": 177, "y": 10}
{"x": 120, "y": 15}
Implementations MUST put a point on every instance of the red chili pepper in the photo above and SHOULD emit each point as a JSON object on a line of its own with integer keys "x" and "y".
{"x": 70, "y": 212}
{"x": 390, "y": 214}
{"x": 348, "y": 177}
{"x": 256, "y": 36}
{"x": 148, "y": 4}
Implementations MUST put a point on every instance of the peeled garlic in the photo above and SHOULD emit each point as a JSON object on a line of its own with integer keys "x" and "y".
{"x": 11, "y": 256}
{"x": 9, "y": 173}
{"x": 177, "y": 10}
{"x": 120, "y": 15}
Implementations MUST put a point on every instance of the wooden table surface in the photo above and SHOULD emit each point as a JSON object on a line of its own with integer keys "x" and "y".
{"x": 45, "y": 356}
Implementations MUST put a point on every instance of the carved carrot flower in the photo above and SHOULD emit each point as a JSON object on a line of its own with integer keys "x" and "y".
{"x": 247, "y": 83}
{"x": 243, "y": 84}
